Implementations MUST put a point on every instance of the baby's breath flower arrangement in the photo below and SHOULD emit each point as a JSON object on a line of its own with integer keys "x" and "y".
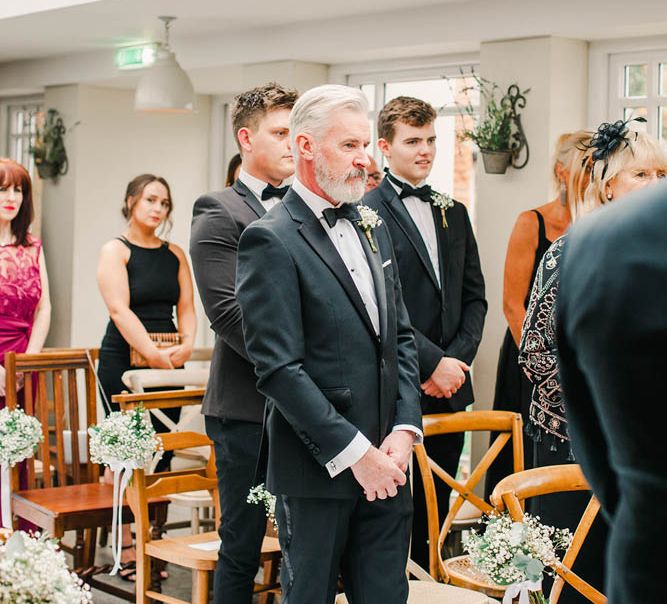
{"x": 260, "y": 495}
{"x": 125, "y": 441}
{"x": 19, "y": 436}
{"x": 369, "y": 220}
{"x": 515, "y": 554}
{"x": 33, "y": 571}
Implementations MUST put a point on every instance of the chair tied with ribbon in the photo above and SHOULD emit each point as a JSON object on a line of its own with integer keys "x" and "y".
{"x": 125, "y": 441}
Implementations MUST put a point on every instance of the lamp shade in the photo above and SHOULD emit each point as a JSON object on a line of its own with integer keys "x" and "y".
{"x": 165, "y": 87}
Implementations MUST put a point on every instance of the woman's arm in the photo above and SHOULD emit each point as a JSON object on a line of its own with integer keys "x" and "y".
{"x": 185, "y": 310}
{"x": 519, "y": 264}
{"x": 115, "y": 289}
{"x": 42, "y": 318}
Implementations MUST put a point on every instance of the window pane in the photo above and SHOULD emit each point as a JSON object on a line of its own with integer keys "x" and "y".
{"x": 636, "y": 77}
{"x": 630, "y": 112}
{"x": 435, "y": 92}
{"x": 663, "y": 79}
{"x": 662, "y": 123}
{"x": 369, "y": 91}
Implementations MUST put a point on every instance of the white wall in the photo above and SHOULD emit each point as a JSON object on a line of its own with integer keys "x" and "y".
{"x": 110, "y": 146}
{"x": 555, "y": 70}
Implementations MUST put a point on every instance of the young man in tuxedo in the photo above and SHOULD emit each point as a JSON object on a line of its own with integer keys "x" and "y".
{"x": 442, "y": 281}
{"x": 233, "y": 407}
{"x": 326, "y": 327}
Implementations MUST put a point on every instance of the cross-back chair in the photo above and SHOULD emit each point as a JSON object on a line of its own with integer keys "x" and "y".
{"x": 458, "y": 570}
{"x": 154, "y": 401}
{"x": 61, "y": 491}
{"x": 511, "y": 493}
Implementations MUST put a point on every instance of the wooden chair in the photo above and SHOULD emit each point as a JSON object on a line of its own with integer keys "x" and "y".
{"x": 197, "y": 552}
{"x": 270, "y": 556}
{"x": 63, "y": 491}
{"x": 510, "y": 494}
{"x": 458, "y": 570}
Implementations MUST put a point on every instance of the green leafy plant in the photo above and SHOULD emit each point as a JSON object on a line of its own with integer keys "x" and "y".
{"x": 493, "y": 129}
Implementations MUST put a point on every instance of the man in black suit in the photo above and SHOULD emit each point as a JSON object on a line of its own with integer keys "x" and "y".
{"x": 326, "y": 327}
{"x": 612, "y": 343}
{"x": 441, "y": 279}
{"x": 233, "y": 408}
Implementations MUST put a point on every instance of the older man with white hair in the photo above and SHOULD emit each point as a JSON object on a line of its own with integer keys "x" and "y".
{"x": 327, "y": 330}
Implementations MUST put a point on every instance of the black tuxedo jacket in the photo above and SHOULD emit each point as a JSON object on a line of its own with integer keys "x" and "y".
{"x": 218, "y": 219}
{"x": 612, "y": 343}
{"x": 325, "y": 372}
{"x": 448, "y": 321}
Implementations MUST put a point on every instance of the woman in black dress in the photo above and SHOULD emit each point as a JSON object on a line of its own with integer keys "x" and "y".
{"x": 624, "y": 168}
{"x": 531, "y": 237}
{"x": 142, "y": 278}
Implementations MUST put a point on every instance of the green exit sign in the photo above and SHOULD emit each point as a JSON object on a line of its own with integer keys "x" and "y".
{"x": 135, "y": 57}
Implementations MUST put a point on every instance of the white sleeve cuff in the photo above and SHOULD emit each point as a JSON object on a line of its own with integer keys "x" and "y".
{"x": 416, "y": 431}
{"x": 349, "y": 455}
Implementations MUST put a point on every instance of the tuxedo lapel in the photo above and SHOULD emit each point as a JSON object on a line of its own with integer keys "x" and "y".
{"x": 375, "y": 263}
{"x": 442, "y": 235}
{"x": 313, "y": 232}
{"x": 249, "y": 198}
{"x": 400, "y": 213}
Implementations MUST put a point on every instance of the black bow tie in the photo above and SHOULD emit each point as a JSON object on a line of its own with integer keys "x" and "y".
{"x": 344, "y": 210}
{"x": 271, "y": 191}
{"x": 424, "y": 192}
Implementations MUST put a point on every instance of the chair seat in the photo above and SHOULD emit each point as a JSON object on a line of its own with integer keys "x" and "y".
{"x": 426, "y": 592}
{"x": 462, "y": 573}
{"x": 80, "y": 506}
{"x": 193, "y": 499}
{"x": 180, "y": 551}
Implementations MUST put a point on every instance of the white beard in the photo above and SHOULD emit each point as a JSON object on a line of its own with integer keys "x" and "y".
{"x": 339, "y": 189}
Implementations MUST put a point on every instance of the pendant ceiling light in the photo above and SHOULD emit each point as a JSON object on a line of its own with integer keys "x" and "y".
{"x": 165, "y": 86}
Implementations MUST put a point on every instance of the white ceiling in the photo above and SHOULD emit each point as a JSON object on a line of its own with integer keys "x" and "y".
{"x": 47, "y": 42}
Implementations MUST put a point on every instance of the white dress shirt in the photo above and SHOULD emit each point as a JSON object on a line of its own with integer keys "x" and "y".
{"x": 346, "y": 241}
{"x": 422, "y": 216}
{"x": 257, "y": 186}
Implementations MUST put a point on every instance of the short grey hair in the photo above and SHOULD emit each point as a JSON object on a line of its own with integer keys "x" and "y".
{"x": 312, "y": 111}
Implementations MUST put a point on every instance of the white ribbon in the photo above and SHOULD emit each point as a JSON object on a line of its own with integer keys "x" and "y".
{"x": 521, "y": 590}
{"x": 6, "y": 503}
{"x": 122, "y": 473}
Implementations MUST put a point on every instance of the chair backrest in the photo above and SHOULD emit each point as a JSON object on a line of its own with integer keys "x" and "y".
{"x": 51, "y": 394}
{"x": 162, "y": 484}
{"x": 137, "y": 380}
{"x": 510, "y": 494}
{"x": 509, "y": 428}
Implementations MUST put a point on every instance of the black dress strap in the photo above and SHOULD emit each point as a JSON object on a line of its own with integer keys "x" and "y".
{"x": 542, "y": 232}
{"x": 125, "y": 241}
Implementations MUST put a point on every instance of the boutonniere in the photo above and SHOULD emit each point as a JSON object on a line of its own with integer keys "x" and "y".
{"x": 444, "y": 202}
{"x": 369, "y": 220}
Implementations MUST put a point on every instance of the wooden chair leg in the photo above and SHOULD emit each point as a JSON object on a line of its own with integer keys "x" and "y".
{"x": 194, "y": 519}
{"x": 201, "y": 594}
{"x": 143, "y": 578}
{"x": 78, "y": 551}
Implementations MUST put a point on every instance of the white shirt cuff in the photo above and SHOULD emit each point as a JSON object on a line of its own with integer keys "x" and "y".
{"x": 416, "y": 431}
{"x": 349, "y": 455}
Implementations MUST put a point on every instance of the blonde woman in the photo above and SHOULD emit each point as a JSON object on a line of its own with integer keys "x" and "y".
{"x": 533, "y": 233}
{"x": 620, "y": 161}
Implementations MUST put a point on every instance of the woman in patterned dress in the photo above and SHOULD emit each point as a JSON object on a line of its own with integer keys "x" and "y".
{"x": 616, "y": 170}
{"x": 25, "y": 309}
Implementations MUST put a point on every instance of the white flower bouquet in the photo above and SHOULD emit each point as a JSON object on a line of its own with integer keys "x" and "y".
{"x": 125, "y": 441}
{"x": 33, "y": 571}
{"x": 260, "y": 495}
{"x": 515, "y": 554}
{"x": 19, "y": 436}
{"x": 122, "y": 437}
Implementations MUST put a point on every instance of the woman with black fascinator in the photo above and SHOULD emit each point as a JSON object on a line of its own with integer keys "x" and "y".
{"x": 620, "y": 161}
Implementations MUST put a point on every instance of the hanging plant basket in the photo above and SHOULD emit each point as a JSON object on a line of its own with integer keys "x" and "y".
{"x": 48, "y": 148}
{"x": 496, "y": 162}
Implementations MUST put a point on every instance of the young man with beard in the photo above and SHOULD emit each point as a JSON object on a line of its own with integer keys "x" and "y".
{"x": 233, "y": 407}
{"x": 441, "y": 277}
{"x": 327, "y": 329}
